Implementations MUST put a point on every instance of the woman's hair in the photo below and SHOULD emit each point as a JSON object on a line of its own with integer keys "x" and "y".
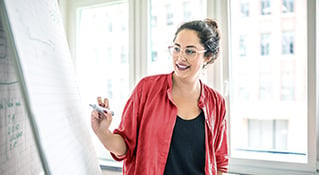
{"x": 208, "y": 34}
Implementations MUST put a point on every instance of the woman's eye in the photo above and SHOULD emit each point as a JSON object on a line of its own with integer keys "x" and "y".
{"x": 190, "y": 51}
{"x": 177, "y": 49}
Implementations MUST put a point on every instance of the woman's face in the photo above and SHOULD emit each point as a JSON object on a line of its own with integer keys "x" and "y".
{"x": 188, "y": 59}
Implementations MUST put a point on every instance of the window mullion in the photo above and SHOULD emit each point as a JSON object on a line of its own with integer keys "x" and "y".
{"x": 139, "y": 43}
{"x": 312, "y": 85}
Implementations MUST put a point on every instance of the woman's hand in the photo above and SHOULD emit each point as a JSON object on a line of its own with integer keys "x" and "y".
{"x": 100, "y": 122}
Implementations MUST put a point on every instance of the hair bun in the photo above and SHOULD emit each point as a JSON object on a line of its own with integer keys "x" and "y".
{"x": 212, "y": 23}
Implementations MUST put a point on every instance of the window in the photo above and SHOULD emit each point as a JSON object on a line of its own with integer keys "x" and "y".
{"x": 288, "y": 6}
{"x": 288, "y": 40}
{"x": 267, "y": 135}
{"x": 287, "y": 81}
{"x": 264, "y": 44}
{"x": 271, "y": 103}
{"x": 123, "y": 55}
{"x": 154, "y": 56}
{"x": 243, "y": 93}
{"x": 109, "y": 89}
{"x": 243, "y": 45}
{"x": 123, "y": 90}
{"x": 265, "y": 90}
{"x": 270, "y": 111}
{"x": 244, "y": 8}
{"x": 109, "y": 55}
{"x": 265, "y": 7}
{"x": 265, "y": 86}
{"x": 187, "y": 10}
{"x": 102, "y": 58}
{"x": 168, "y": 16}
{"x": 153, "y": 21}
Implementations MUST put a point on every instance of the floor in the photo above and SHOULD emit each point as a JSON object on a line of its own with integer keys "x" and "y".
{"x": 114, "y": 172}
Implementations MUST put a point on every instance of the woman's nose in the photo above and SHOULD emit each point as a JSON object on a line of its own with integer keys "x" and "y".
{"x": 181, "y": 56}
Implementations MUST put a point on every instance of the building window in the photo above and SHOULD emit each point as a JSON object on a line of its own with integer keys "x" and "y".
{"x": 123, "y": 55}
{"x": 287, "y": 79}
{"x": 269, "y": 113}
{"x": 243, "y": 87}
{"x": 265, "y": 86}
{"x": 109, "y": 89}
{"x": 288, "y": 39}
{"x": 169, "y": 15}
{"x": 154, "y": 21}
{"x": 264, "y": 44}
{"x": 265, "y": 135}
{"x": 122, "y": 89}
{"x": 154, "y": 56}
{"x": 109, "y": 23}
{"x": 187, "y": 10}
{"x": 288, "y": 6}
{"x": 243, "y": 45}
{"x": 265, "y": 7}
{"x": 101, "y": 45}
{"x": 109, "y": 54}
{"x": 244, "y": 9}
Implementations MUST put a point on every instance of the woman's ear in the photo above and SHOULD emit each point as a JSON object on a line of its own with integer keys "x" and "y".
{"x": 208, "y": 58}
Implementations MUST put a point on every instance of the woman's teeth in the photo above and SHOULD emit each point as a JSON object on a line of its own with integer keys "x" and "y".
{"x": 182, "y": 66}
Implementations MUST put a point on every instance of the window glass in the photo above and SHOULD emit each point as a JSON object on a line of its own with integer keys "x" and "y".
{"x": 244, "y": 8}
{"x": 268, "y": 97}
{"x": 288, "y": 6}
{"x": 267, "y": 134}
{"x": 102, "y": 59}
{"x": 265, "y": 7}
{"x": 288, "y": 42}
{"x": 243, "y": 45}
{"x": 264, "y": 44}
{"x": 165, "y": 17}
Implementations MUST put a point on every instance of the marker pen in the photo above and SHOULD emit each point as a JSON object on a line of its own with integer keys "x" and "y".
{"x": 101, "y": 109}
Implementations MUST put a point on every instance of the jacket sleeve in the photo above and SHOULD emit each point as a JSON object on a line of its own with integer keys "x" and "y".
{"x": 221, "y": 147}
{"x": 128, "y": 126}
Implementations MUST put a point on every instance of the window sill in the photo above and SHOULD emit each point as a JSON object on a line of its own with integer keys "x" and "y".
{"x": 111, "y": 165}
{"x": 250, "y": 170}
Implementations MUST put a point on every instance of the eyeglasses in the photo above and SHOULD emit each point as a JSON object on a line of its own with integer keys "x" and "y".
{"x": 189, "y": 53}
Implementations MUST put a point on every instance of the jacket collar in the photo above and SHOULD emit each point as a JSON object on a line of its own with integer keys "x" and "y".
{"x": 202, "y": 97}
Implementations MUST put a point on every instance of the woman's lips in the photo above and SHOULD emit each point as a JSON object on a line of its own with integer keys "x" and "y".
{"x": 182, "y": 66}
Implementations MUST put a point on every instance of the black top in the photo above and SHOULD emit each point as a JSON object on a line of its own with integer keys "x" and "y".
{"x": 187, "y": 149}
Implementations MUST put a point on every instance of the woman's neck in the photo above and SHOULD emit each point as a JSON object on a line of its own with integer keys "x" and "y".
{"x": 186, "y": 88}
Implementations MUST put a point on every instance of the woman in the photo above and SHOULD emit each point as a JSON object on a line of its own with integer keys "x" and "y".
{"x": 172, "y": 123}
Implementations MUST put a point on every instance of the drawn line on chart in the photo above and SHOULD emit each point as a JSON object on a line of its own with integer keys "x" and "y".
{"x": 8, "y": 83}
{"x": 48, "y": 42}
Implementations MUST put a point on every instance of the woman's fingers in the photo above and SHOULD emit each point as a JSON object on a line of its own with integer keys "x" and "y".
{"x": 106, "y": 103}
{"x": 96, "y": 115}
{"x": 99, "y": 101}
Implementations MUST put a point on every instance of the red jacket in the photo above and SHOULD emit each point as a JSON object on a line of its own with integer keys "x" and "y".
{"x": 148, "y": 121}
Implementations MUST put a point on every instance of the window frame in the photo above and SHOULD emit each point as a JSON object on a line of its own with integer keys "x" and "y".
{"x": 247, "y": 166}
{"x": 135, "y": 30}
